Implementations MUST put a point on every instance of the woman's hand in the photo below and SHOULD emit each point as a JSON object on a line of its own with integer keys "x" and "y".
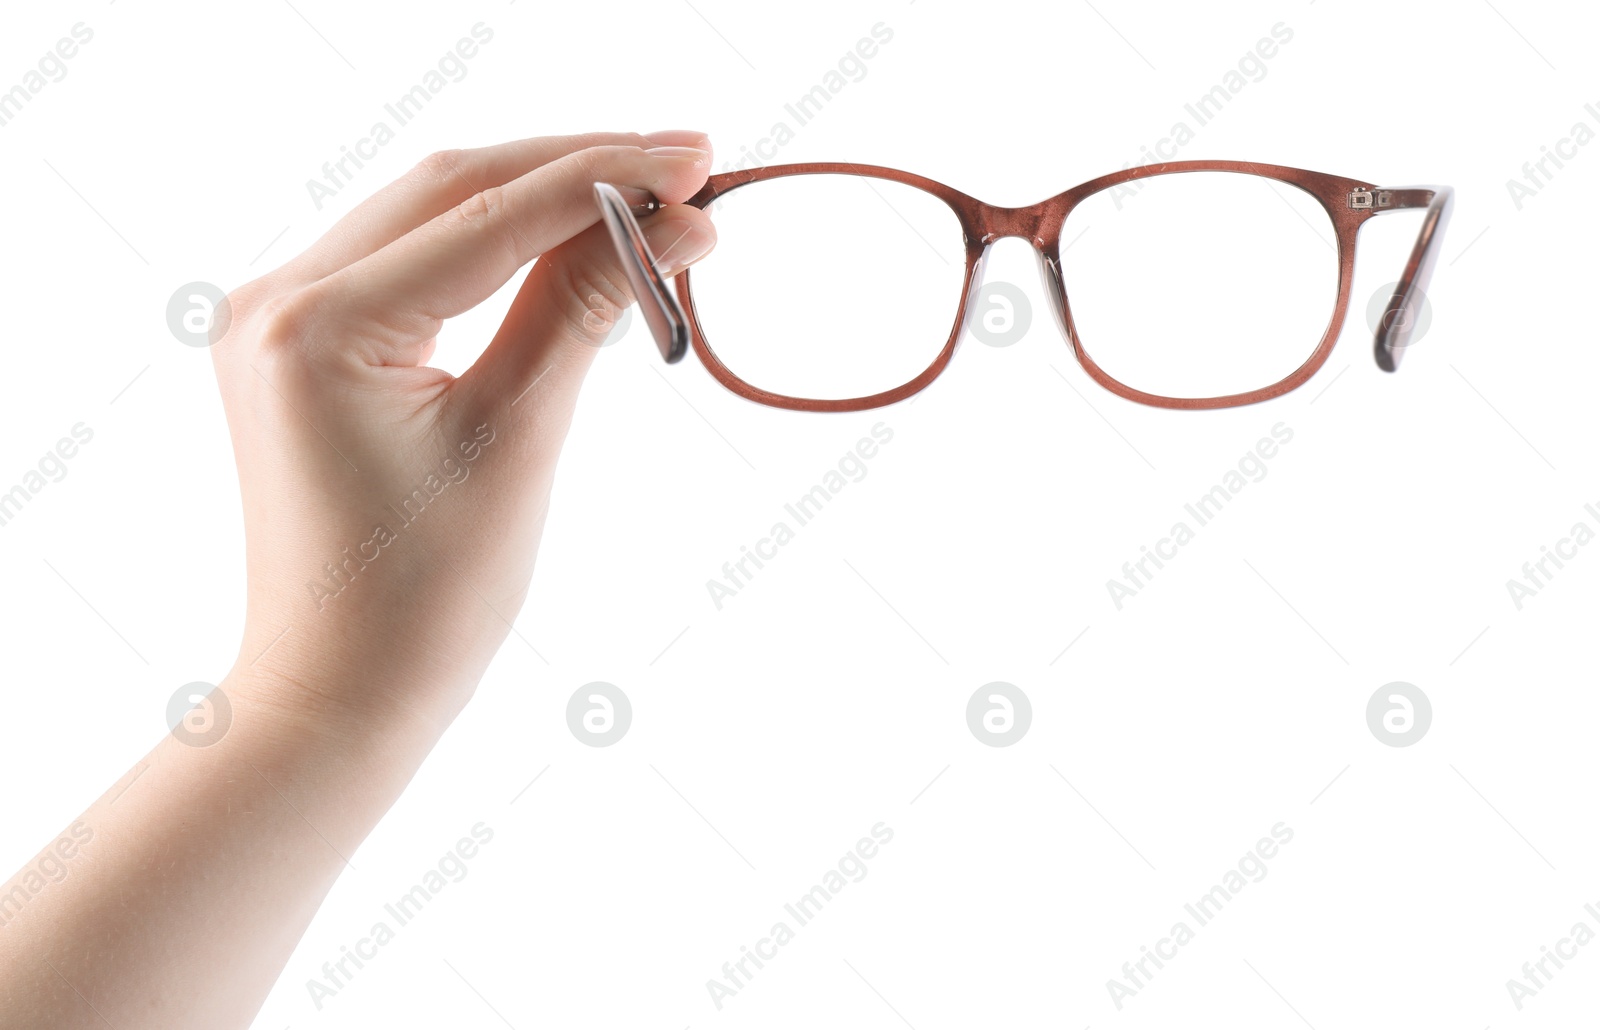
{"x": 392, "y": 511}
{"x": 391, "y": 518}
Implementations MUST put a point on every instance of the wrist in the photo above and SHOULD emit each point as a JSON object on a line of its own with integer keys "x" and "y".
{"x": 297, "y": 706}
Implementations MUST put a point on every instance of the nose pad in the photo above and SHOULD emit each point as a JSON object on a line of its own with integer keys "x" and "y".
{"x": 1050, "y": 279}
{"x": 662, "y": 312}
{"x": 973, "y": 286}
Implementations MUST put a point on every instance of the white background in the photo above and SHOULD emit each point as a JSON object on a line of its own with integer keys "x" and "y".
{"x": 830, "y": 694}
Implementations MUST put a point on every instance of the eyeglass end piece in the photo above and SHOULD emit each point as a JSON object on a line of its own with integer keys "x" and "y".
{"x": 668, "y": 324}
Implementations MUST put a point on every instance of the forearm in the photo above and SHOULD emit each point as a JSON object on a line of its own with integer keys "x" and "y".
{"x": 203, "y": 867}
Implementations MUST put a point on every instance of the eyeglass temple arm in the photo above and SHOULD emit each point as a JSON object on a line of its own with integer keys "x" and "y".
{"x": 668, "y": 324}
{"x": 1400, "y": 316}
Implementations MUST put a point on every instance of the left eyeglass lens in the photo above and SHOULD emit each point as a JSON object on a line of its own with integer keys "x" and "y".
{"x": 829, "y": 286}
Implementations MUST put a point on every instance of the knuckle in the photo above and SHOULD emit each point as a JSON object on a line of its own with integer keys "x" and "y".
{"x": 243, "y": 300}
{"x": 486, "y": 219}
{"x": 484, "y": 210}
{"x": 285, "y": 321}
{"x": 593, "y": 140}
{"x": 246, "y": 299}
{"x": 575, "y": 143}
{"x": 596, "y": 298}
{"x": 441, "y": 166}
{"x": 618, "y": 143}
{"x": 600, "y": 162}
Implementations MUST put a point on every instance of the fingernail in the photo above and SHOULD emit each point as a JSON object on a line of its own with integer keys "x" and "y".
{"x": 675, "y": 245}
{"x": 679, "y": 138}
{"x": 690, "y": 153}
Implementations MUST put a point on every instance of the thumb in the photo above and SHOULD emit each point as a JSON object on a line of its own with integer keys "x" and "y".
{"x": 566, "y": 307}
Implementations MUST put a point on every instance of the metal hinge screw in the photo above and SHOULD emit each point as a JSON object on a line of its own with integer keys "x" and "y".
{"x": 1361, "y": 199}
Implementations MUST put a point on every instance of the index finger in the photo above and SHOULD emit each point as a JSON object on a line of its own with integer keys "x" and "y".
{"x": 441, "y": 181}
{"x": 458, "y": 259}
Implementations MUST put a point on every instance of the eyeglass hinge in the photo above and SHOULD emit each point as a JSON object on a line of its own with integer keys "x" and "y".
{"x": 1363, "y": 199}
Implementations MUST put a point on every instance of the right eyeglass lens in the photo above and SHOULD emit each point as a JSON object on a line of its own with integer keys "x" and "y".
{"x": 829, "y": 286}
{"x": 1195, "y": 285}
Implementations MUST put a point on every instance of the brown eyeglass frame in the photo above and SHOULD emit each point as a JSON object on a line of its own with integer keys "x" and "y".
{"x": 1348, "y": 202}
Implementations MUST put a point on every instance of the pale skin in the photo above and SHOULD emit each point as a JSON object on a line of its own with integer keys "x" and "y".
{"x": 206, "y": 864}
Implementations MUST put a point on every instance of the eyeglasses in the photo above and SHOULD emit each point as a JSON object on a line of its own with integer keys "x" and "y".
{"x": 1190, "y": 284}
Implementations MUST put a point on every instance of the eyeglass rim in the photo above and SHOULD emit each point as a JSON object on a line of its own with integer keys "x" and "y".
{"x": 1349, "y": 203}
